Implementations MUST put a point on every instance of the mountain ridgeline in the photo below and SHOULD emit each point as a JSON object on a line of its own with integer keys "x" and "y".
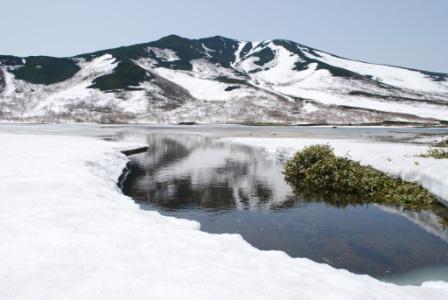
{"x": 218, "y": 80}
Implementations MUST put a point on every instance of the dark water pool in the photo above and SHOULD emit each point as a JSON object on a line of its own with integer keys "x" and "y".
{"x": 237, "y": 189}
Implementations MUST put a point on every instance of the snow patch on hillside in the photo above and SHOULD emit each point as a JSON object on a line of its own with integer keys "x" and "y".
{"x": 238, "y": 51}
{"x": 201, "y": 81}
{"x": 76, "y": 89}
{"x": 200, "y": 88}
{"x": 280, "y": 71}
{"x": 394, "y": 76}
{"x": 164, "y": 54}
{"x": 329, "y": 90}
{"x": 8, "y": 78}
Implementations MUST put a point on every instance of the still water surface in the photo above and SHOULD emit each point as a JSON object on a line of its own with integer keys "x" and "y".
{"x": 237, "y": 189}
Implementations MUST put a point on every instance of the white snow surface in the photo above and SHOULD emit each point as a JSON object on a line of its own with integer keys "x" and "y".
{"x": 396, "y": 159}
{"x": 164, "y": 54}
{"x": 201, "y": 83}
{"x": 68, "y": 233}
{"x": 399, "y": 77}
{"x": 279, "y": 75}
{"x": 278, "y": 71}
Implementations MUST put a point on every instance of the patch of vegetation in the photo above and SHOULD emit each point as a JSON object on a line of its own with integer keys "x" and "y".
{"x": 397, "y": 98}
{"x": 264, "y": 56}
{"x": 317, "y": 169}
{"x": 245, "y": 49}
{"x": 305, "y": 61}
{"x": 217, "y": 50}
{"x": 187, "y": 123}
{"x": 230, "y": 80}
{"x": 46, "y": 70}
{"x": 120, "y": 53}
{"x": 126, "y": 76}
{"x": 9, "y": 60}
{"x": 396, "y": 123}
{"x": 223, "y": 49}
{"x": 255, "y": 71}
{"x": 312, "y": 124}
{"x": 435, "y": 153}
{"x": 264, "y": 124}
{"x": 185, "y": 49}
{"x": 231, "y": 88}
{"x": 442, "y": 143}
{"x": 433, "y": 75}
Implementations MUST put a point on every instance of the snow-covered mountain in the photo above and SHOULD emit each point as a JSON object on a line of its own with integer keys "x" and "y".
{"x": 217, "y": 79}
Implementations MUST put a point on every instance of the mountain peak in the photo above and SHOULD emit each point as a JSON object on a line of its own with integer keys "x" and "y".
{"x": 218, "y": 79}
{"x": 217, "y": 37}
{"x": 172, "y": 37}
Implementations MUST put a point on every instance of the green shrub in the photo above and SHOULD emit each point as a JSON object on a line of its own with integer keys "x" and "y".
{"x": 126, "y": 76}
{"x": 231, "y": 88}
{"x": 435, "y": 153}
{"x": 442, "y": 143}
{"x": 264, "y": 56}
{"x": 296, "y": 168}
{"x": 46, "y": 70}
{"x": 316, "y": 169}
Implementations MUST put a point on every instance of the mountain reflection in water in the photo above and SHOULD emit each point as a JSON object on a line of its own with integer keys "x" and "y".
{"x": 231, "y": 188}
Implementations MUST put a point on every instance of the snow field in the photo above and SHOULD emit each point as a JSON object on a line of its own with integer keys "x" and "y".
{"x": 69, "y": 233}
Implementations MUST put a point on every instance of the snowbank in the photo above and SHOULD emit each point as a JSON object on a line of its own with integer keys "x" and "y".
{"x": 68, "y": 233}
{"x": 397, "y": 159}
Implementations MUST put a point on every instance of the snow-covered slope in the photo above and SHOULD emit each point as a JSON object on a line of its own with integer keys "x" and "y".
{"x": 217, "y": 79}
{"x": 71, "y": 234}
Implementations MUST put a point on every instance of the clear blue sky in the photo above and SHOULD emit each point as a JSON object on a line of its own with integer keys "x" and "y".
{"x": 411, "y": 33}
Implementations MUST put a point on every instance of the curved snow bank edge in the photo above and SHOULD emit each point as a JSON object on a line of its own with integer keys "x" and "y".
{"x": 72, "y": 234}
{"x": 432, "y": 285}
